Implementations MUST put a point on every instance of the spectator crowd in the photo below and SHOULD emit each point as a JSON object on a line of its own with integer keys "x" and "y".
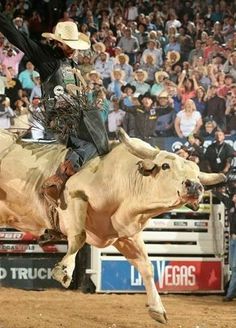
{"x": 156, "y": 68}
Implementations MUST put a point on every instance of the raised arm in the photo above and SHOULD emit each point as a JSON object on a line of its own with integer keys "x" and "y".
{"x": 37, "y": 53}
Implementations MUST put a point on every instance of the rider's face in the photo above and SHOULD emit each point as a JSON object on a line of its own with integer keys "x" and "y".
{"x": 68, "y": 52}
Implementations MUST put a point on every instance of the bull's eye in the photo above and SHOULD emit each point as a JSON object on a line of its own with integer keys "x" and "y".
{"x": 165, "y": 166}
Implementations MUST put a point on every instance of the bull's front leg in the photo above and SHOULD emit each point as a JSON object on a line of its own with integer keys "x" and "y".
{"x": 135, "y": 252}
{"x": 73, "y": 218}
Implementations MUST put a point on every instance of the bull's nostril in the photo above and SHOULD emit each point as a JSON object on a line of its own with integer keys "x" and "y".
{"x": 188, "y": 183}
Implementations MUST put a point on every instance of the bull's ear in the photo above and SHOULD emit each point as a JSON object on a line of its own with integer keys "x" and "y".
{"x": 148, "y": 167}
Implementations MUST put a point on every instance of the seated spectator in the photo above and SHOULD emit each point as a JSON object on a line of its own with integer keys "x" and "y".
{"x": 115, "y": 118}
{"x": 149, "y": 65}
{"x": 159, "y": 86}
{"x": 118, "y": 80}
{"x": 103, "y": 65}
{"x": 173, "y": 45}
{"x": 122, "y": 62}
{"x": 165, "y": 116}
{"x": 153, "y": 48}
{"x": 188, "y": 120}
{"x": 6, "y": 112}
{"x": 140, "y": 76}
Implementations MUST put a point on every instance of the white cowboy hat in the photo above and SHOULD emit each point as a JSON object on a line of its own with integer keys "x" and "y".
{"x": 88, "y": 75}
{"x": 161, "y": 73}
{"x": 67, "y": 33}
{"x": 173, "y": 57}
{"x": 149, "y": 55}
{"x": 99, "y": 47}
{"x": 122, "y": 74}
{"x": 124, "y": 56}
{"x": 145, "y": 74}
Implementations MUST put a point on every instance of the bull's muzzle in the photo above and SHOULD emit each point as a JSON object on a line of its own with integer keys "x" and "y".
{"x": 194, "y": 189}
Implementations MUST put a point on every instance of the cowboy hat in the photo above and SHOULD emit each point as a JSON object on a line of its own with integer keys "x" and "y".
{"x": 124, "y": 56}
{"x": 161, "y": 73}
{"x": 128, "y": 86}
{"x": 145, "y": 74}
{"x": 173, "y": 57}
{"x": 145, "y": 95}
{"x": 88, "y": 75}
{"x": 149, "y": 55}
{"x": 99, "y": 47}
{"x": 67, "y": 33}
{"x": 118, "y": 70}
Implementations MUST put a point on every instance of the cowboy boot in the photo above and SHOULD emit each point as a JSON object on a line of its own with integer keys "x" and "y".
{"x": 53, "y": 186}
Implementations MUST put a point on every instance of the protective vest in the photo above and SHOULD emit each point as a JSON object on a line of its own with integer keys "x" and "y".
{"x": 91, "y": 126}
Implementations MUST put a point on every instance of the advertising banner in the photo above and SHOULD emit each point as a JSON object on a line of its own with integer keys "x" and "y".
{"x": 172, "y": 275}
{"x": 28, "y": 273}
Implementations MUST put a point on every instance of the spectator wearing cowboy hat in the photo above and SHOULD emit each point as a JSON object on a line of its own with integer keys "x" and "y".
{"x": 166, "y": 116}
{"x": 149, "y": 66}
{"x": 122, "y": 62}
{"x": 140, "y": 120}
{"x": 154, "y": 48}
{"x": 140, "y": 76}
{"x": 93, "y": 78}
{"x": 159, "y": 86}
{"x": 128, "y": 92}
{"x": 118, "y": 80}
{"x": 104, "y": 66}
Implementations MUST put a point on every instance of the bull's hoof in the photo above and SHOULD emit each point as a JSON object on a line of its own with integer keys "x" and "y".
{"x": 160, "y": 317}
{"x": 59, "y": 273}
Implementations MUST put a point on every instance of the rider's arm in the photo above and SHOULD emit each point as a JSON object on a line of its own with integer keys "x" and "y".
{"x": 40, "y": 55}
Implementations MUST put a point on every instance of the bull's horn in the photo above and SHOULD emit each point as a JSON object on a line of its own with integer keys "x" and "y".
{"x": 137, "y": 147}
{"x": 211, "y": 178}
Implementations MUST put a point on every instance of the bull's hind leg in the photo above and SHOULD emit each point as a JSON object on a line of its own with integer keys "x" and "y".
{"x": 74, "y": 224}
{"x": 135, "y": 252}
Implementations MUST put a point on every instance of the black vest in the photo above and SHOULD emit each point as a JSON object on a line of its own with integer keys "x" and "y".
{"x": 91, "y": 126}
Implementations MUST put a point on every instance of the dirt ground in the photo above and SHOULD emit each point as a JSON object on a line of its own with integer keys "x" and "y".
{"x": 72, "y": 309}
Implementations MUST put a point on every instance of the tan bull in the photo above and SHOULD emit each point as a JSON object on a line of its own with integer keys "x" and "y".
{"x": 108, "y": 202}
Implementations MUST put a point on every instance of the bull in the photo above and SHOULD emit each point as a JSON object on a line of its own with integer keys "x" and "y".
{"x": 108, "y": 202}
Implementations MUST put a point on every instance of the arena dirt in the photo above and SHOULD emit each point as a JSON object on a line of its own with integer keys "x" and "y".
{"x": 72, "y": 309}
